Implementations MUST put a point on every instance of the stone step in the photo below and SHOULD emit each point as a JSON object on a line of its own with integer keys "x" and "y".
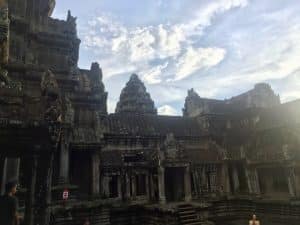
{"x": 187, "y": 221}
{"x": 187, "y": 212}
{"x": 193, "y": 223}
{"x": 184, "y": 205}
{"x": 188, "y": 216}
{"x": 186, "y": 209}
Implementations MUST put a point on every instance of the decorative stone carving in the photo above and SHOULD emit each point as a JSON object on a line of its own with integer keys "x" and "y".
{"x": 173, "y": 150}
{"x": 50, "y": 92}
{"x": 49, "y": 85}
{"x": 4, "y": 36}
{"x": 222, "y": 152}
{"x": 68, "y": 111}
{"x": 158, "y": 156}
{"x": 135, "y": 99}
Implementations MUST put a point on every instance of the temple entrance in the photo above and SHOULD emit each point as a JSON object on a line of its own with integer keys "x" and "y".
{"x": 174, "y": 184}
{"x": 80, "y": 172}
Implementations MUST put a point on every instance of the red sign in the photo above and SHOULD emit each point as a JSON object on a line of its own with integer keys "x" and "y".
{"x": 65, "y": 194}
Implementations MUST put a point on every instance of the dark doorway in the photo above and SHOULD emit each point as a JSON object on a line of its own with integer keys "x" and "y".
{"x": 113, "y": 186}
{"x": 80, "y": 172}
{"x": 174, "y": 184}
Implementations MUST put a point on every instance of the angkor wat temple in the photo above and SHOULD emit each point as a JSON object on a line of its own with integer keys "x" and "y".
{"x": 223, "y": 160}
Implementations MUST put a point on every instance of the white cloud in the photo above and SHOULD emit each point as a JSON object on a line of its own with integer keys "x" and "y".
{"x": 152, "y": 75}
{"x": 205, "y": 14}
{"x": 135, "y": 47}
{"x": 195, "y": 59}
{"x": 170, "y": 39}
{"x": 167, "y": 110}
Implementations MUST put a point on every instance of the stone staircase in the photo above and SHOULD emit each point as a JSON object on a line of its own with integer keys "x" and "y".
{"x": 187, "y": 215}
{"x": 101, "y": 218}
{"x": 97, "y": 216}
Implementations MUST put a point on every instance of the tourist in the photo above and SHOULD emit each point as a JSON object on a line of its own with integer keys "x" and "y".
{"x": 9, "y": 205}
{"x": 254, "y": 221}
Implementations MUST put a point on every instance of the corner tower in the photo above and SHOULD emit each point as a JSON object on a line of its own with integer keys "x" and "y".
{"x": 134, "y": 98}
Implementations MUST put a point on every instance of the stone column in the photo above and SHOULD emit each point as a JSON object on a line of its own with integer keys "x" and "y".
{"x": 133, "y": 186}
{"x": 235, "y": 177}
{"x": 151, "y": 184}
{"x": 12, "y": 169}
{"x": 29, "y": 213}
{"x": 2, "y": 174}
{"x": 256, "y": 187}
{"x": 119, "y": 187}
{"x": 252, "y": 180}
{"x": 291, "y": 181}
{"x": 249, "y": 180}
{"x": 225, "y": 178}
{"x": 161, "y": 184}
{"x": 43, "y": 198}
{"x": 64, "y": 160}
{"x": 105, "y": 186}
{"x": 187, "y": 184}
{"x": 127, "y": 183}
{"x": 147, "y": 186}
{"x": 95, "y": 164}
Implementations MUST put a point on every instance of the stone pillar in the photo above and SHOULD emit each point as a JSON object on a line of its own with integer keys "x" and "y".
{"x": 43, "y": 198}
{"x": 161, "y": 184}
{"x": 127, "y": 184}
{"x": 249, "y": 180}
{"x": 95, "y": 165}
{"x": 252, "y": 180}
{"x": 187, "y": 184}
{"x": 147, "y": 186}
{"x": 291, "y": 181}
{"x": 151, "y": 184}
{"x": 12, "y": 169}
{"x": 29, "y": 213}
{"x": 64, "y": 160}
{"x": 2, "y": 174}
{"x": 224, "y": 176}
{"x": 119, "y": 187}
{"x": 133, "y": 186}
{"x": 235, "y": 177}
{"x": 105, "y": 186}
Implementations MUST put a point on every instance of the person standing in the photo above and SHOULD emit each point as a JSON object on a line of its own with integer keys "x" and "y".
{"x": 254, "y": 221}
{"x": 9, "y": 205}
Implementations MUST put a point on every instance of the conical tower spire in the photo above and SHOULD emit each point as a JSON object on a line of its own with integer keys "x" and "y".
{"x": 134, "y": 98}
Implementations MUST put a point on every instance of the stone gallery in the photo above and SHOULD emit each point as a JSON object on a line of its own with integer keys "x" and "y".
{"x": 222, "y": 160}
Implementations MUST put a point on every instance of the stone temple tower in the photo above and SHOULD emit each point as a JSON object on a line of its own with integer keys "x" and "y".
{"x": 135, "y": 99}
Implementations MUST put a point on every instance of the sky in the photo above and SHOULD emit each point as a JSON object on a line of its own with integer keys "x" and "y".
{"x": 220, "y": 48}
